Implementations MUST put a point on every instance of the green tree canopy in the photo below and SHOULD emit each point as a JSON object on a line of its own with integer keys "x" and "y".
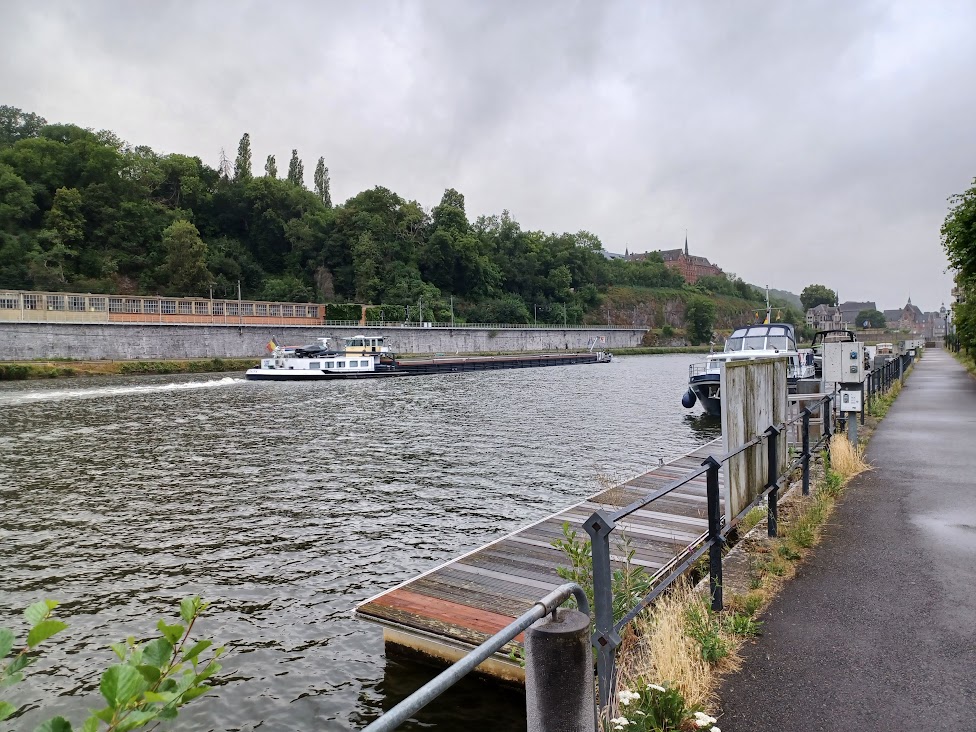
{"x": 271, "y": 167}
{"x": 242, "y": 164}
{"x": 184, "y": 271}
{"x": 296, "y": 170}
{"x": 699, "y": 320}
{"x": 874, "y": 319}
{"x": 814, "y": 295}
{"x": 322, "y": 183}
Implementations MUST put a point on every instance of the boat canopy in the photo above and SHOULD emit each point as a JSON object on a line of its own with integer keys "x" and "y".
{"x": 778, "y": 337}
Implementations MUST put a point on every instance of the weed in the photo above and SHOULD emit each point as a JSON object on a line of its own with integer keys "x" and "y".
{"x": 705, "y": 628}
{"x": 787, "y": 552}
{"x": 742, "y": 625}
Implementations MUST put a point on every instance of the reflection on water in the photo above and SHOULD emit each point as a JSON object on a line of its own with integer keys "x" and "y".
{"x": 287, "y": 504}
{"x": 702, "y": 426}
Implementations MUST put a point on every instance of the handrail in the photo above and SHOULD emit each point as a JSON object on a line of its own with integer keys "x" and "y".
{"x": 600, "y": 525}
{"x": 400, "y": 713}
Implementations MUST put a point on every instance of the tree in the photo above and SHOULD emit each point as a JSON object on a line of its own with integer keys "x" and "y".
{"x": 959, "y": 241}
{"x": 365, "y": 255}
{"x": 699, "y": 317}
{"x": 814, "y": 295}
{"x": 271, "y": 167}
{"x": 873, "y": 318}
{"x": 242, "y": 165}
{"x": 16, "y": 198}
{"x": 15, "y": 124}
{"x": 185, "y": 269}
{"x": 322, "y": 183}
{"x": 296, "y": 171}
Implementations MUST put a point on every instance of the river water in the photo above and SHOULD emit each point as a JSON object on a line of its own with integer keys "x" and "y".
{"x": 286, "y": 504}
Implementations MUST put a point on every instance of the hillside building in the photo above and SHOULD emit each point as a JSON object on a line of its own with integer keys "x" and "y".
{"x": 689, "y": 266}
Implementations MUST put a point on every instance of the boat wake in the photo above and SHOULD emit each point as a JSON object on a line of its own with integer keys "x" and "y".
{"x": 110, "y": 391}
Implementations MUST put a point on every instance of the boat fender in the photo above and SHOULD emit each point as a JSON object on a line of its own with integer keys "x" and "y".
{"x": 688, "y": 399}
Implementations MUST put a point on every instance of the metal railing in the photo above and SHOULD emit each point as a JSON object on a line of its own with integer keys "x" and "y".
{"x": 601, "y": 524}
{"x": 400, "y": 713}
{"x": 481, "y": 326}
{"x": 879, "y": 380}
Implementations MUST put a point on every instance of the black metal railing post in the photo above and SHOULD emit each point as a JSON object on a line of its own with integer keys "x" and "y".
{"x": 772, "y": 453}
{"x": 806, "y": 450}
{"x": 870, "y": 388}
{"x": 715, "y": 540}
{"x": 605, "y": 639}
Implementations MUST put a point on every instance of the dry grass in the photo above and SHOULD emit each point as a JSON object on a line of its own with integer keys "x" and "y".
{"x": 845, "y": 459}
{"x": 660, "y": 648}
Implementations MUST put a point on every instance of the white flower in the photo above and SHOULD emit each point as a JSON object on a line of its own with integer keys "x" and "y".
{"x": 703, "y": 720}
{"x": 626, "y": 697}
{"x": 638, "y": 711}
{"x": 619, "y": 722}
{"x": 715, "y": 729}
{"x": 656, "y": 687}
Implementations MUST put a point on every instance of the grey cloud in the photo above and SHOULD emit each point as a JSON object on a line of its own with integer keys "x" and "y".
{"x": 798, "y": 142}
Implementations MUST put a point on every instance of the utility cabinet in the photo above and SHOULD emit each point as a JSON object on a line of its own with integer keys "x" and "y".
{"x": 843, "y": 362}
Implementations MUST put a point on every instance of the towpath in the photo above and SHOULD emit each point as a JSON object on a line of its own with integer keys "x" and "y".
{"x": 878, "y": 629}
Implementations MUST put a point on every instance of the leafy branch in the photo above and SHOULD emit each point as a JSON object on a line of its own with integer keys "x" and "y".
{"x": 149, "y": 685}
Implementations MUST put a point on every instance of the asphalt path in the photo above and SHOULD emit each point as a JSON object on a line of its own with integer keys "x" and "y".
{"x": 878, "y": 629}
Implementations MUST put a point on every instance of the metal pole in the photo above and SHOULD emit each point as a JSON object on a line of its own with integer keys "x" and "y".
{"x": 862, "y": 403}
{"x": 559, "y": 674}
{"x": 714, "y": 533}
{"x": 452, "y": 311}
{"x": 772, "y": 453}
{"x": 605, "y": 639}
{"x": 852, "y": 428}
{"x": 806, "y": 450}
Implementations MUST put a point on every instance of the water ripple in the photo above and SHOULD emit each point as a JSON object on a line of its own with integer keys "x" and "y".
{"x": 286, "y": 504}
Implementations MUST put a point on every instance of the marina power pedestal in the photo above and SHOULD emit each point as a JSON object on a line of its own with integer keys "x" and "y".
{"x": 843, "y": 363}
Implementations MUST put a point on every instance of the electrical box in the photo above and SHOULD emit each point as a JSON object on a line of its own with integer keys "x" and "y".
{"x": 850, "y": 400}
{"x": 843, "y": 362}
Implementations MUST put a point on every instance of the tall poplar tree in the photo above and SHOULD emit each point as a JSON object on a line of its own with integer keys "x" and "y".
{"x": 322, "y": 183}
{"x": 242, "y": 165}
{"x": 296, "y": 171}
{"x": 271, "y": 167}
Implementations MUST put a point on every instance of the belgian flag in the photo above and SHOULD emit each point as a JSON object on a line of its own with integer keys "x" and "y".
{"x": 272, "y": 344}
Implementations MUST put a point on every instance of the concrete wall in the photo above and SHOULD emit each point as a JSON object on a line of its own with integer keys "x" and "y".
{"x": 124, "y": 341}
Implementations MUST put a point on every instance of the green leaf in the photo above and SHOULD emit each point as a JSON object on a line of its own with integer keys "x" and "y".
{"x": 6, "y": 641}
{"x": 136, "y": 719}
{"x": 44, "y": 630}
{"x": 106, "y": 715}
{"x": 157, "y": 652}
{"x": 58, "y": 724}
{"x": 156, "y": 698}
{"x": 173, "y": 633}
{"x": 120, "y": 650}
{"x": 18, "y": 663}
{"x": 211, "y": 668}
{"x": 188, "y": 608}
{"x": 150, "y": 673}
{"x": 120, "y": 684}
{"x": 167, "y": 713}
{"x": 91, "y": 725}
{"x": 6, "y": 709}
{"x": 191, "y": 694}
{"x": 39, "y": 610}
{"x": 197, "y": 648}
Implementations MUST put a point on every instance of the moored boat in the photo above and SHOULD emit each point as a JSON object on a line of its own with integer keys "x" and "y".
{"x": 768, "y": 340}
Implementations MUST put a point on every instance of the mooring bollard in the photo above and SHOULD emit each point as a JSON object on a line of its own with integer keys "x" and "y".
{"x": 559, "y": 674}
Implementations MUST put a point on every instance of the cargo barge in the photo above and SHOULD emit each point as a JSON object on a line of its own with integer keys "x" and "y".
{"x": 366, "y": 357}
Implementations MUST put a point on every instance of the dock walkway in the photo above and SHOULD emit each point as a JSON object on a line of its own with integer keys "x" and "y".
{"x": 452, "y": 608}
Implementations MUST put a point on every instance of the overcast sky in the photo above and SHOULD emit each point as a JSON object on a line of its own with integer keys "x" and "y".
{"x": 798, "y": 142}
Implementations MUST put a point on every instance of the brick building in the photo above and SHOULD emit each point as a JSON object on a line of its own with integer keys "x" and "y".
{"x": 688, "y": 266}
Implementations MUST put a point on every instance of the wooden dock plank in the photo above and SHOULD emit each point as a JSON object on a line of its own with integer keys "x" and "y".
{"x": 470, "y": 598}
